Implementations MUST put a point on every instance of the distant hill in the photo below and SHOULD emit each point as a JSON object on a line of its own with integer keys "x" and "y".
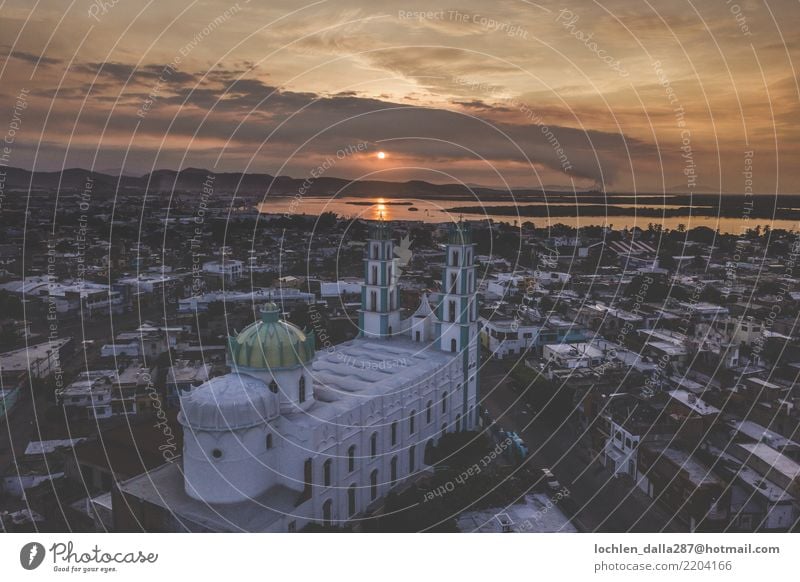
{"x": 192, "y": 179}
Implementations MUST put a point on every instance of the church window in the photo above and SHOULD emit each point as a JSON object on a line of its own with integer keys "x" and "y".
{"x": 373, "y": 445}
{"x": 458, "y": 423}
{"x": 412, "y": 458}
{"x": 269, "y": 441}
{"x": 444, "y": 402}
{"x": 375, "y": 275}
{"x": 394, "y": 433}
{"x": 428, "y": 455}
{"x": 373, "y": 295}
{"x": 327, "y": 467}
{"x": 273, "y": 387}
{"x": 307, "y": 478}
{"x": 411, "y": 421}
{"x": 455, "y": 258}
{"x": 393, "y": 471}
{"x": 302, "y": 395}
{"x": 453, "y": 345}
{"x": 327, "y": 510}
{"x": 417, "y": 336}
{"x": 373, "y": 485}
{"x": 351, "y": 458}
{"x": 428, "y": 411}
{"x": 351, "y": 500}
{"x": 452, "y": 312}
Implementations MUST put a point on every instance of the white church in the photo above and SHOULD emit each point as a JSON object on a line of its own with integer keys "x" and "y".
{"x": 292, "y": 437}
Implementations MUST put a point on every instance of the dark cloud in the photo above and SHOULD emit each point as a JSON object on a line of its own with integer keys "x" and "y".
{"x": 32, "y": 58}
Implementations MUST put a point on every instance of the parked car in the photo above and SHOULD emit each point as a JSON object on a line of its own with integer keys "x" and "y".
{"x": 550, "y": 480}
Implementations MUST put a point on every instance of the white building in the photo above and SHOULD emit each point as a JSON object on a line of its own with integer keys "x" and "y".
{"x": 579, "y": 355}
{"x": 228, "y": 270}
{"x": 508, "y": 337}
{"x": 292, "y": 437}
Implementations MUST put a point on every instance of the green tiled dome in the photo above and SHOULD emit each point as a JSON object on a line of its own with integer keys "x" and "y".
{"x": 271, "y": 343}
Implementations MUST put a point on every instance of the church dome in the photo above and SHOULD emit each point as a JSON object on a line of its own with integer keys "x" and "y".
{"x": 225, "y": 403}
{"x": 271, "y": 343}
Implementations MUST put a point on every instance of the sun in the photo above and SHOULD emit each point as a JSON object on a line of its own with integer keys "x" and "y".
{"x": 381, "y": 155}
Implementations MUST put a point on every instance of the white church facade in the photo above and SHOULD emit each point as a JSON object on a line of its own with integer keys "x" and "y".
{"x": 292, "y": 436}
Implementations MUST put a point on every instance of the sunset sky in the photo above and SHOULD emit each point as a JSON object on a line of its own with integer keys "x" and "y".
{"x": 620, "y": 95}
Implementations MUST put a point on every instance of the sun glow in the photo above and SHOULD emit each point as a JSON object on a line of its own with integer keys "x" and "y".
{"x": 381, "y": 155}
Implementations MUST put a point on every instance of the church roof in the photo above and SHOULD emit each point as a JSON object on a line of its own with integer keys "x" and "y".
{"x": 271, "y": 343}
{"x": 228, "y": 402}
{"x": 424, "y": 309}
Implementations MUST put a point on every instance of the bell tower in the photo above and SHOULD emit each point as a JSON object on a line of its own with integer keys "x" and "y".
{"x": 458, "y": 314}
{"x": 379, "y": 316}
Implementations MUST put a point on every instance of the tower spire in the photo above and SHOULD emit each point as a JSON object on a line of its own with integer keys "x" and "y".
{"x": 379, "y": 316}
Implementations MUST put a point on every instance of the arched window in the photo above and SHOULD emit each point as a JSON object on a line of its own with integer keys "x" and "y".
{"x": 394, "y": 433}
{"x": 373, "y": 445}
{"x": 455, "y": 258}
{"x": 393, "y": 471}
{"x": 452, "y": 311}
{"x": 429, "y": 448}
{"x": 444, "y": 429}
{"x": 429, "y": 411}
{"x": 302, "y": 389}
{"x": 390, "y": 275}
{"x": 373, "y": 295}
{"x": 351, "y": 500}
{"x": 273, "y": 387}
{"x": 373, "y": 485}
{"x": 444, "y": 402}
{"x": 351, "y": 458}
{"x": 412, "y": 421}
{"x": 269, "y": 441}
{"x": 308, "y": 478}
{"x": 375, "y": 275}
{"x": 327, "y": 510}
{"x": 458, "y": 423}
{"x": 412, "y": 459}
{"x": 453, "y": 345}
{"x": 327, "y": 467}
